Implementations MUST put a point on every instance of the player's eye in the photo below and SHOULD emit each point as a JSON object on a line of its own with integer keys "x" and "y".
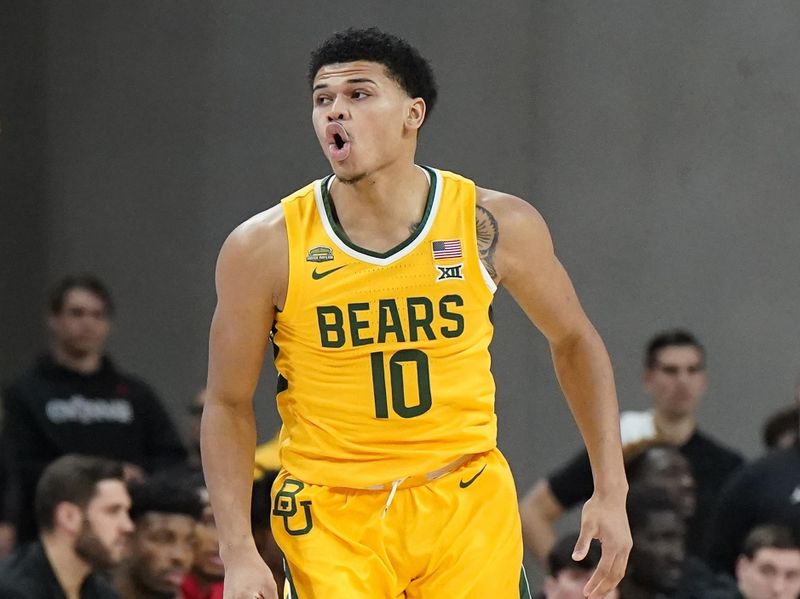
{"x": 359, "y": 95}
{"x": 322, "y": 100}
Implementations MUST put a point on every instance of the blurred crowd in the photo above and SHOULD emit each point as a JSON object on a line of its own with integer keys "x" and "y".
{"x": 101, "y": 498}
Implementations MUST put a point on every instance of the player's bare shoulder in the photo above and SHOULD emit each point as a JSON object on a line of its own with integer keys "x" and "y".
{"x": 505, "y": 225}
{"x": 258, "y": 251}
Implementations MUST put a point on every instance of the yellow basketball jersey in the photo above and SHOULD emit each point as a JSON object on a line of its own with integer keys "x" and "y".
{"x": 383, "y": 359}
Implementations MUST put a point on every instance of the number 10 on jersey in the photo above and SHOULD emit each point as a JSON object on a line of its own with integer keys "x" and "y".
{"x": 399, "y": 363}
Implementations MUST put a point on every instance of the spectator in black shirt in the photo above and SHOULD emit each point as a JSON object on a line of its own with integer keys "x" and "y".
{"x": 82, "y": 509}
{"x": 74, "y": 400}
{"x": 675, "y": 378}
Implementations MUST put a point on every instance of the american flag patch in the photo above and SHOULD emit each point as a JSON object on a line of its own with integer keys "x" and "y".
{"x": 449, "y": 248}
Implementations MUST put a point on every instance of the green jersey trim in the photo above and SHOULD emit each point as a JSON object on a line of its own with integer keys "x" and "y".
{"x": 340, "y": 239}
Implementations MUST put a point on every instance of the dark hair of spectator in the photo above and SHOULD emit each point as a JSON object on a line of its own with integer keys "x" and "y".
{"x": 88, "y": 282}
{"x": 636, "y": 461}
{"x": 768, "y": 536}
{"x": 402, "y": 61}
{"x": 784, "y": 421}
{"x": 71, "y": 478}
{"x": 671, "y": 338}
{"x": 560, "y": 556}
{"x": 643, "y": 501}
{"x": 165, "y": 496}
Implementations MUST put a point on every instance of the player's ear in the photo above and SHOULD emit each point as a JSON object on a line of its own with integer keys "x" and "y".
{"x": 415, "y": 114}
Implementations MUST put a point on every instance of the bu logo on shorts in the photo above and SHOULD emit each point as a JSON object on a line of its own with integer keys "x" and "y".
{"x": 286, "y": 507}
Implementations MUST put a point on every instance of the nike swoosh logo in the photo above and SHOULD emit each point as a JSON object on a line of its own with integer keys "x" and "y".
{"x": 318, "y": 275}
{"x": 465, "y": 483}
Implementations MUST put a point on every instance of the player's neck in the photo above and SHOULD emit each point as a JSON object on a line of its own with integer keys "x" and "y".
{"x": 393, "y": 191}
{"x": 675, "y": 430}
{"x": 383, "y": 209}
{"x": 70, "y": 570}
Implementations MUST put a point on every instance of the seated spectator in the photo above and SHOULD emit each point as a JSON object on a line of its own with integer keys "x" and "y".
{"x": 655, "y": 565}
{"x": 766, "y": 491}
{"x": 260, "y": 510}
{"x": 81, "y": 505}
{"x": 781, "y": 429}
{"x": 769, "y": 565}
{"x": 162, "y": 548}
{"x": 675, "y": 378}
{"x": 207, "y": 572}
{"x": 74, "y": 400}
{"x": 567, "y": 578}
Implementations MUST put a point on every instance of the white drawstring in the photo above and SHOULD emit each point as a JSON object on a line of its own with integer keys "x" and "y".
{"x": 389, "y": 500}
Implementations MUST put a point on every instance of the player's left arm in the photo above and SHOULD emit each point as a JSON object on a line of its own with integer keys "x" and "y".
{"x": 517, "y": 250}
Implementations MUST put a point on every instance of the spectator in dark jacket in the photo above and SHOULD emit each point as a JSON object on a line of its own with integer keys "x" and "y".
{"x": 766, "y": 491}
{"x": 82, "y": 508}
{"x": 75, "y": 400}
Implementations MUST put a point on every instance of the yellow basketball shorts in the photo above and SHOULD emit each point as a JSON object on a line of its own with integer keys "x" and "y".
{"x": 456, "y": 537}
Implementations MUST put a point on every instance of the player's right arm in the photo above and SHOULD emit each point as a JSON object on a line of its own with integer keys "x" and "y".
{"x": 251, "y": 280}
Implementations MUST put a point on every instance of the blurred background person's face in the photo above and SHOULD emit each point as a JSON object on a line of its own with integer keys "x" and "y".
{"x": 771, "y": 574}
{"x": 677, "y": 381}
{"x": 207, "y": 563}
{"x": 656, "y": 561}
{"x": 163, "y": 550}
{"x": 666, "y": 468}
{"x": 82, "y": 325}
{"x": 106, "y": 528}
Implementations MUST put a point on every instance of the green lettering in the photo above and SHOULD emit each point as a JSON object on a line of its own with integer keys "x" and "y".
{"x": 331, "y": 334}
{"x": 356, "y": 325}
{"x": 420, "y": 362}
{"x": 389, "y": 321}
{"x": 415, "y": 321}
{"x": 454, "y": 317}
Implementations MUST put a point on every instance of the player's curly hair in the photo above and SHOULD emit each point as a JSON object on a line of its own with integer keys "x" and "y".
{"x": 403, "y": 62}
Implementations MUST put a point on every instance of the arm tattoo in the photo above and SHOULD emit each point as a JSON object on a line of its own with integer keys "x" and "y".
{"x": 488, "y": 234}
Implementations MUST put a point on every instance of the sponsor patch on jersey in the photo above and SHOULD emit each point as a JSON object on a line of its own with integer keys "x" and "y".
{"x": 320, "y": 253}
{"x": 456, "y": 271}
{"x": 446, "y": 248}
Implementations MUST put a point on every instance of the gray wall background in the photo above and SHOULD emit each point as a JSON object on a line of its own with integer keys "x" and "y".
{"x": 660, "y": 140}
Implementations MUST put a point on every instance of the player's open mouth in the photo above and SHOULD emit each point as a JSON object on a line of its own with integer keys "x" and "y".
{"x": 338, "y": 142}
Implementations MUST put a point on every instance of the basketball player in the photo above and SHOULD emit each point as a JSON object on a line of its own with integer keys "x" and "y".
{"x": 376, "y": 284}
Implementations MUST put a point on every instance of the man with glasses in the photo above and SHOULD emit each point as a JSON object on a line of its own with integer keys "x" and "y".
{"x": 675, "y": 378}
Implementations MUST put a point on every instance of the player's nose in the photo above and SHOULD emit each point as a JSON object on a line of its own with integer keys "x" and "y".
{"x": 337, "y": 110}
